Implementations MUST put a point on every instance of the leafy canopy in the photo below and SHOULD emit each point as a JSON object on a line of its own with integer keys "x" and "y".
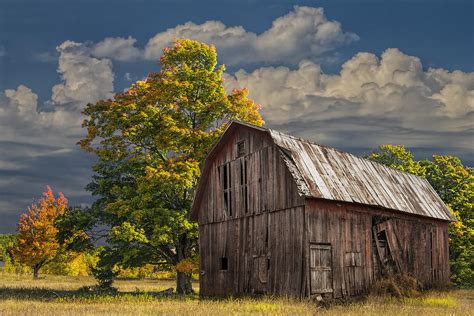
{"x": 151, "y": 141}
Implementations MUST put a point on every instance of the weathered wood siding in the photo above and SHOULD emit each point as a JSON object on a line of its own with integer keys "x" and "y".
{"x": 419, "y": 245}
{"x": 270, "y": 185}
{"x": 265, "y": 252}
{"x": 262, "y": 242}
{"x": 259, "y": 234}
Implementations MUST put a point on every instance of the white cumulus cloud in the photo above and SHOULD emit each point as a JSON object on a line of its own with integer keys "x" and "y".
{"x": 374, "y": 100}
{"x": 117, "y": 48}
{"x": 23, "y": 99}
{"x": 304, "y": 33}
{"x": 84, "y": 78}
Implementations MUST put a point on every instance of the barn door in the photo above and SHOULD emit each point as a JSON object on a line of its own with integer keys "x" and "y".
{"x": 320, "y": 268}
{"x": 388, "y": 247}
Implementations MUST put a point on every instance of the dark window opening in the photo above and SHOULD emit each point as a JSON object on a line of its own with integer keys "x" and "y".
{"x": 242, "y": 173}
{"x": 266, "y": 237}
{"x": 223, "y": 264}
{"x": 243, "y": 185}
{"x": 226, "y": 177}
{"x": 382, "y": 241}
{"x": 246, "y": 192}
{"x": 268, "y": 263}
{"x": 226, "y": 182}
{"x": 381, "y": 236}
{"x": 240, "y": 148}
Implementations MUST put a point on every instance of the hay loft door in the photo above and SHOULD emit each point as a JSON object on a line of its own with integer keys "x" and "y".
{"x": 320, "y": 268}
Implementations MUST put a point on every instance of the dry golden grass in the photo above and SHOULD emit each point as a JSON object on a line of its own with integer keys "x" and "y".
{"x": 56, "y": 295}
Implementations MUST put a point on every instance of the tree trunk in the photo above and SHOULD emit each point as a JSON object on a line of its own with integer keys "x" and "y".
{"x": 35, "y": 271}
{"x": 183, "y": 283}
{"x": 183, "y": 279}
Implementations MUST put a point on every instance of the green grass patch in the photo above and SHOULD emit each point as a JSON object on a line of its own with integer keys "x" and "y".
{"x": 442, "y": 301}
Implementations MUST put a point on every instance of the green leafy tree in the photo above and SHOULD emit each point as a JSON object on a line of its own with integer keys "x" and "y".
{"x": 7, "y": 242}
{"x": 397, "y": 157}
{"x": 70, "y": 263}
{"x": 150, "y": 142}
{"x": 454, "y": 183}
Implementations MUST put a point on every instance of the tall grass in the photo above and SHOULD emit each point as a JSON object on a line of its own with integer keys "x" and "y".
{"x": 55, "y": 295}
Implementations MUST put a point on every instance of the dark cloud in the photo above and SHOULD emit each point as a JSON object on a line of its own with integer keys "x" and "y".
{"x": 26, "y": 177}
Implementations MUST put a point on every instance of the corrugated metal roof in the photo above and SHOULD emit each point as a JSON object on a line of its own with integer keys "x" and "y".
{"x": 327, "y": 173}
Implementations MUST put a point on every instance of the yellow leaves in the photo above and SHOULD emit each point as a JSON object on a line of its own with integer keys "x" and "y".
{"x": 143, "y": 84}
{"x": 181, "y": 173}
{"x": 244, "y": 109}
{"x": 127, "y": 232}
{"x": 162, "y": 235}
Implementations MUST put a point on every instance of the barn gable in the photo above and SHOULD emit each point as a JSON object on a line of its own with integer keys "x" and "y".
{"x": 253, "y": 181}
{"x": 326, "y": 173}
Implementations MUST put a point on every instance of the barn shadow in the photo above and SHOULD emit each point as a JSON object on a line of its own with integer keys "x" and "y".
{"x": 45, "y": 294}
{"x": 40, "y": 294}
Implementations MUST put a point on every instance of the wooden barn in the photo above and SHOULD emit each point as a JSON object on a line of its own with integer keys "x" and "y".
{"x": 282, "y": 215}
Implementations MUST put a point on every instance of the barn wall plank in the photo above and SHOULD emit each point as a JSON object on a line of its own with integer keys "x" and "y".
{"x": 348, "y": 229}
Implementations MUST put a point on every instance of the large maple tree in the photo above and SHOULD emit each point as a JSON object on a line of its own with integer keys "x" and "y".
{"x": 150, "y": 142}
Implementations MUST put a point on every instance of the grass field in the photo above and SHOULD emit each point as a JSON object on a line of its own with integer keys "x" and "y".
{"x": 55, "y": 295}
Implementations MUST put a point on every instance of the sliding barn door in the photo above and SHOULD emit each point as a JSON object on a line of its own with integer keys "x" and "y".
{"x": 320, "y": 268}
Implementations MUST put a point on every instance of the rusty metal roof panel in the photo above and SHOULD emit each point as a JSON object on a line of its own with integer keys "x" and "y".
{"x": 327, "y": 173}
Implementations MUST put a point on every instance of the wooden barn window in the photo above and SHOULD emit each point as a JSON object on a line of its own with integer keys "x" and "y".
{"x": 225, "y": 174}
{"x": 243, "y": 185}
{"x": 241, "y": 148}
{"x": 223, "y": 264}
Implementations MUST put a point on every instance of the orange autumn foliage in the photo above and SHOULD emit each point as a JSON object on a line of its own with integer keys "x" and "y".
{"x": 187, "y": 266}
{"x": 37, "y": 242}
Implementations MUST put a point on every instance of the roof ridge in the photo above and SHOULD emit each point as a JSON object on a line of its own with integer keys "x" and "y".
{"x": 341, "y": 151}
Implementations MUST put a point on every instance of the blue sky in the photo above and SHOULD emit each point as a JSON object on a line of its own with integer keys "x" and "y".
{"x": 353, "y": 75}
{"x": 439, "y": 32}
